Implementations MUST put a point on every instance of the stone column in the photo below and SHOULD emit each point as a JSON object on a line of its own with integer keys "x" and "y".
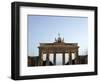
{"x": 47, "y": 59}
{"x": 54, "y": 59}
{"x": 76, "y": 57}
{"x": 70, "y": 57}
{"x": 63, "y": 58}
{"x": 40, "y": 58}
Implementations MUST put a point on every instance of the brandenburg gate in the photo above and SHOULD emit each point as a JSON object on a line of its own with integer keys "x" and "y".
{"x": 59, "y": 46}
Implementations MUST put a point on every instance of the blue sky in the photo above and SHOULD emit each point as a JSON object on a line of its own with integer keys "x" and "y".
{"x": 44, "y": 29}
